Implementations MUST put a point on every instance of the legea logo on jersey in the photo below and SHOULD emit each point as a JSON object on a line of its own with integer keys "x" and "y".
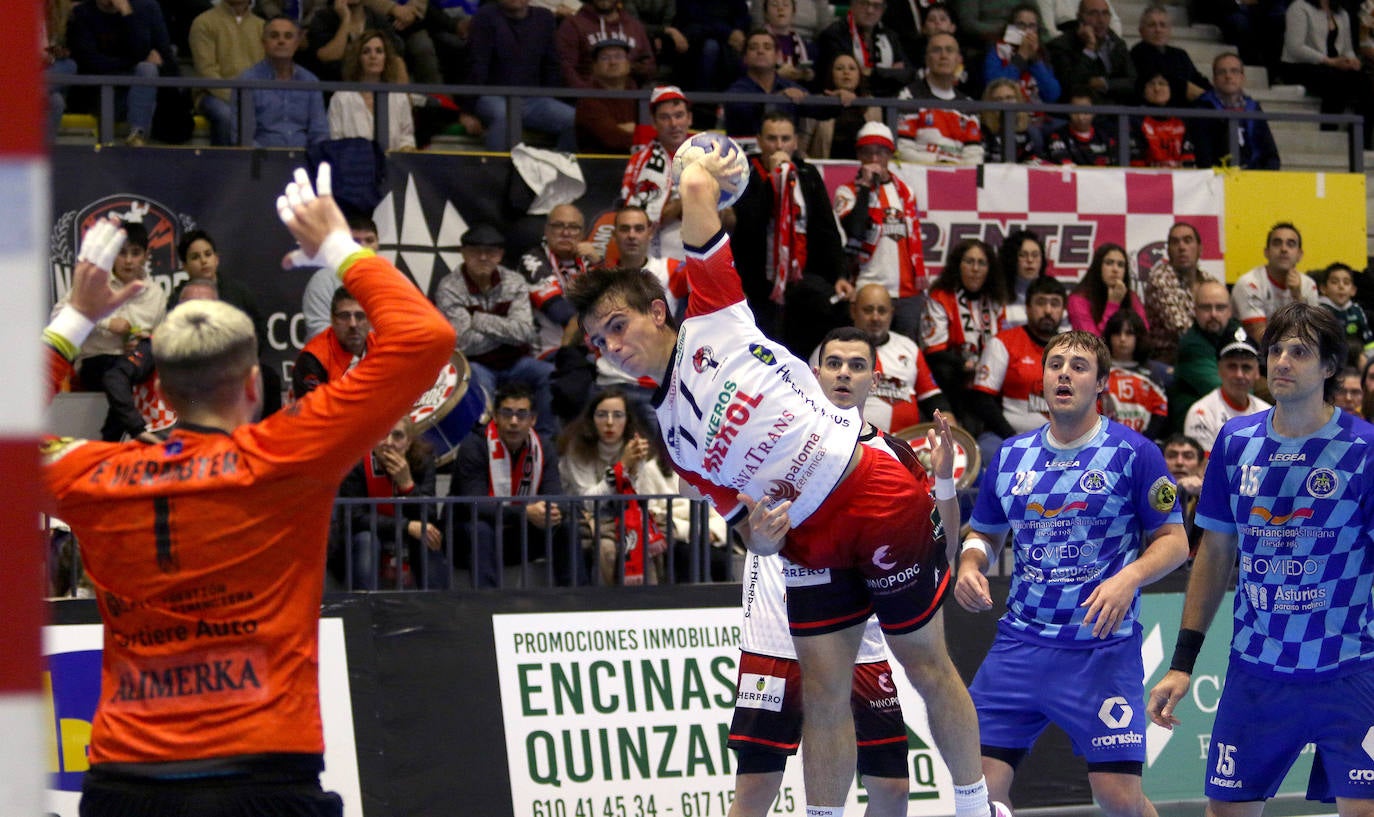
{"x": 1050, "y": 513}
{"x": 72, "y": 684}
{"x": 1322, "y": 483}
{"x": 760, "y": 692}
{"x": 1280, "y": 519}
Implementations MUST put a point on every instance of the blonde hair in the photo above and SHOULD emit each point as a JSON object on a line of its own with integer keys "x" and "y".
{"x": 203, "y": 351}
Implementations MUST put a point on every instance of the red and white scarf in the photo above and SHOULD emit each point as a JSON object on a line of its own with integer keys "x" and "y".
{"x": 865, "y": 56}
{"x": 915, "y": 256}
{"x": 379, "y": 484}
{"x": 646, "y": 183}
{"x": 519, "y": 478}
{"x": 788, "y": 247}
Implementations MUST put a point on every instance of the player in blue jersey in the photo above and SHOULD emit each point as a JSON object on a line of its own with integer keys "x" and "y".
{"x": 1289, "y": 494}
{"x": 1093, "y": 515}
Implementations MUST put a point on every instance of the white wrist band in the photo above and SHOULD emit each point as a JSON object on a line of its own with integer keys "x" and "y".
{"x": 944, "y": 488}
{"x": 974, "y": 543}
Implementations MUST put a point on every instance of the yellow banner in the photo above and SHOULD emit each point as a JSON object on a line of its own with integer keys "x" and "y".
{"x": 1327, "y": 208}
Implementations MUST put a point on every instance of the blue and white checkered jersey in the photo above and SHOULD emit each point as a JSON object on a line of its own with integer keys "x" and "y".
{"x": 1303, "y": 512}
{"x": 1077, "y": 517}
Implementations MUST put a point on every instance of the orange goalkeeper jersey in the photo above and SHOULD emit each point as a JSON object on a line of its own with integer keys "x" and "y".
{"x": 208, "y": 550}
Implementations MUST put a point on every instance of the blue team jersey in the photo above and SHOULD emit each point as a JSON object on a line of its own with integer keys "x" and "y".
{"x": 1303, "y": 512}
{"x": 1077, "y": 516}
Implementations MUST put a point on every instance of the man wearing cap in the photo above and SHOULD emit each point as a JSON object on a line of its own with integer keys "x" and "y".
{"x": 1238, "y": 369}
{"x": 645, "y": 183}
{"x": 511, "y": 42}
{"x": 606, "y": 125}
{"x": 787, "y": 246}
{"x": 1260, "y": 292}
{"x": 489, "y": 307}
{"x": 600, "y": 21}
{"x": 877, "y": 214}
{"x": 940, "y": 135}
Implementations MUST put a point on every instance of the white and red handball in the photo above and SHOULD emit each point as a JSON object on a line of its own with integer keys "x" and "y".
{"x": 735, "y": 176}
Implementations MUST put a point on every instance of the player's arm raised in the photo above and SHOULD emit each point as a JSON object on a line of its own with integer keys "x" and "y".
{"x": 699, "y": 188}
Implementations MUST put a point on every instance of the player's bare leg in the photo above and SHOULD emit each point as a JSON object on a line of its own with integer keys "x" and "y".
{"x": 1120, "y": 795}
{"x": 999, "y": 775}
{"x": 755, "y": 793}
{"x": 887, "y": 796}
{"x": 828, "y": 751}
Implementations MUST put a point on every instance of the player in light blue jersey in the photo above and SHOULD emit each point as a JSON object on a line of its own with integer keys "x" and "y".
{"x": 1291, "y": 493}
{"x": 1093, "y": 515}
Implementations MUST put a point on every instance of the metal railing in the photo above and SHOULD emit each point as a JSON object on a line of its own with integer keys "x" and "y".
{"x": 515, "y": 96}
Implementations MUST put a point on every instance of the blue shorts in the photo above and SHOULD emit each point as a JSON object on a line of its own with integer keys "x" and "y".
{"x": 1097, "y": 697}
{"x": 1263, "y": 723}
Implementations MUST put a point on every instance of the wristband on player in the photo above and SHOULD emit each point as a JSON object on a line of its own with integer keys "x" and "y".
{"x": 1186, "y": 649}
{"x": 975, "y": 543}
{"x": 944, "y": 488}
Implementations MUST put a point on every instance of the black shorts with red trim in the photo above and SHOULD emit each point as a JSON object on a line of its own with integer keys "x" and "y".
{"x": 767, "y": 724}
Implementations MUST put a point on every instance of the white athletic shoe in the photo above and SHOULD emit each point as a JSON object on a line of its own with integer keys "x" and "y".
{"x": 1000, "y": 810}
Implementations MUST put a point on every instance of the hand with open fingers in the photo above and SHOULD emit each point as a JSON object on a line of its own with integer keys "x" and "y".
{"x": 768, "y": 524}
{"x": 92, "y": 293}
{"x": 310, "y": 214}
{"x": 1108, "y": 604}
{"x": 940, "y": 440}
{"x": 971, "y": 590}
{"x": 1165, "y": 696}
{"x": 720, "y": 163}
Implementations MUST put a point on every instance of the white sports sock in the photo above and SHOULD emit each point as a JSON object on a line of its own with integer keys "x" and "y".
{"x": 972, "y": 800}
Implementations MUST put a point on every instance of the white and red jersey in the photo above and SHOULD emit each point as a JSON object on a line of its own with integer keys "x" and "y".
{"x": 1132, "y": 398}
{"x": 939, "y": 136}
{"x": 956, "y": 322}
{"x": 892, "y": 254}
{"x": 741, "y": 414}
{"x": 904, "y": 379}
{"x": 765, "y": 630}
{"x": 1011, "y": 368}
{"x": 1210, "y": 413}
{"x": 1256, "y": 296}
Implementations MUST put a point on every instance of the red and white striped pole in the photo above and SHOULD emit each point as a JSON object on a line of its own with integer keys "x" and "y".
{"x": 24, "y": 205}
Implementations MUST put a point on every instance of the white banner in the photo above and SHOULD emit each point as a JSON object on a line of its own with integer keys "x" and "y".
{"x": 627, "y": 714}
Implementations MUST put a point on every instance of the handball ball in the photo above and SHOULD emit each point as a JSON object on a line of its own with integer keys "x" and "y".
{"x": 698, "y": 146}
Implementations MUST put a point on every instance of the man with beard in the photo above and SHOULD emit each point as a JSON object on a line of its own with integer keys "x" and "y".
{"x": 1195, "y": 365}
{"x": 1169, "y": 289}
{"x": 329, "y": 355}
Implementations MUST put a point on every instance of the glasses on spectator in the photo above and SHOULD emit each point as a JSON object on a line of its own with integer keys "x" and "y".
{"x": 514, "y": 414}
{"x": 609, "y": 415}
{"x": 565, "y": 226}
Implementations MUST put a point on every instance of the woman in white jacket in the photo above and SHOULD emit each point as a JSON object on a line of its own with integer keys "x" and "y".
{"x": 372, "y": 58}
{"x": 1319, "y": 53}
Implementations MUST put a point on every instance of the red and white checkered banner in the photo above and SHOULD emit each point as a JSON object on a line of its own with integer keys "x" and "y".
{"x": 1072, "y": 209}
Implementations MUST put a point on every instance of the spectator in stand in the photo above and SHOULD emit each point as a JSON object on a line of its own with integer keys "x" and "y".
{"x": 806, "y": 17}
{"x": 1319, "y": 54}
{"x": 285, "y": 119}
{"x": 1260, "y": 292}
{"x": 1195, "y": 366}
{"x": 877, "y": 215}
{"x": 828, "y": 132}
{"x": 489, "y": 307}
{"x": 560, "y": 256}
{"x": 336, "y": 25}
{"x": 200, "y": 259}
{"x": 935, "y": 18}
{"x": 1082, "y": 142}
{"x": 510, "y": 458}
{"x": 1159, "y": 141}
{"x": 401, "y": 465}
{"x": 57, "y": 57}
{"x": 760, "y": 77}
{"x": 1058, "y": 16}
{"x": 1132, "y": 397}
{"x": 608, "y": 125}
{"x": 123, "y": 38}
{"x": 424, "y": 30}
{"x": 862, "y": 35}
{"x": 1253, "y": 27}
{"x": 1028, "y": 145}
{"x": 1169, "y": 289}
{"x": 670, "y": 45}
{"x": 1338, "y": 296}
{"x": 1238, "y": 371}
{"x": 646, "y": 183}
{"x": 903, "y": 393}
{"x": 1185, "y": 459}
{"x": 1349, "y": 394}
{"x": 1153, "y": 55}
{"x": 796, "y": 50}
{"x": 1257, "y": 148}
{"x": 1093, "y": 55}
{"x": 1007, "y": 395}
{"x": 225, "y": 42}
{"x": 319, "y": 290}
{"x": 329, "y": 355}
{"x": 964, "y": 311}
{"x": 715, "y": 31}
{"x": 786, "y": 243}
{"x": 1017, "y": 55}
{"x": 939, "y": 135}
{"x": 1105, "y": 288}
{"x": 372, "y": 58}
{"x": 1023, "y": 259}
{"x": 514, "y": 44}
{"x": 597, "y": 21}
{"x": 605, "y": 453}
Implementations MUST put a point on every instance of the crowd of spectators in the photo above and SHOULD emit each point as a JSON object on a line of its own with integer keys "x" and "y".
{"x": 1056, "y": 51}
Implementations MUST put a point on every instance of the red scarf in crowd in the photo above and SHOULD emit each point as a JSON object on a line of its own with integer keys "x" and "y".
{"x": 519, "y": 478}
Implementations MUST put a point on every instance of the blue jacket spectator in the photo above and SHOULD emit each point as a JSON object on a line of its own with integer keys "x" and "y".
{"x": 285, "y": 119}
{"x": 518, "y": 46}
{"x": 1210, "y": 138}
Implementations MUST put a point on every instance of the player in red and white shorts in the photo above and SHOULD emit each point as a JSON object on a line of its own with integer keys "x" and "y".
{"x": 746, "y": 423}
